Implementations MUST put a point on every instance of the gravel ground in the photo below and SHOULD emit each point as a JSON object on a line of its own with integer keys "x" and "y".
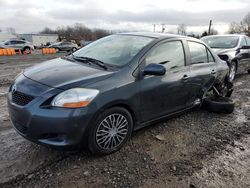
{"x": 197, "y": 149}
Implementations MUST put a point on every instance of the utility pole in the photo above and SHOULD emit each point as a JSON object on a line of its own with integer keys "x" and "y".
{"x": 210, "y": 26}
{"x": 154, "y": 28}
{"x": 162, "y": 29}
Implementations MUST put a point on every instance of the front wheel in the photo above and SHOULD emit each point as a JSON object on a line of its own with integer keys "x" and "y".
{"x": 73, "y": 49}
{"x": 110, "y": 131}
{"x": 57, "y": 50}
{"x": 232, "y": 71}
{"x": 26, "y": 50}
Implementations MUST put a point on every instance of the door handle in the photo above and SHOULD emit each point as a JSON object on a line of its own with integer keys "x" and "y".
{"x": 213, "y": 72}
{"x": 185, "y": 77}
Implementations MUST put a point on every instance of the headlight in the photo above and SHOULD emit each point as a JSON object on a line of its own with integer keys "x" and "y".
{"x": 75, "y": 98}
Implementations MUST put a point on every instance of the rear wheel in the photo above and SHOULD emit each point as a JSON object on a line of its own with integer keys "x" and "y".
{"x": 26, "y": 50}
{"x": 223, "y": 89}
{"x": 110, "y": 131}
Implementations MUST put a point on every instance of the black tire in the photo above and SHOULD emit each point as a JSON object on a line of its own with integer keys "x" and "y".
{"x": 26, "y": 50}
{"x": 93, "y": 144}
{"x": 219, "y": 105}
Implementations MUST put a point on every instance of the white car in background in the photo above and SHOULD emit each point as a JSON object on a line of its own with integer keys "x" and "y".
{"x": 17, "y": 44}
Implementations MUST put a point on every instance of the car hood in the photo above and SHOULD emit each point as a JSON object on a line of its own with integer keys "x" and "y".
{"x": 64, "y": 74}
{"x": 221, "y": 51}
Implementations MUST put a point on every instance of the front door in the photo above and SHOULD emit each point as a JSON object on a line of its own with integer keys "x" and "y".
{"x": 163, "y": 95}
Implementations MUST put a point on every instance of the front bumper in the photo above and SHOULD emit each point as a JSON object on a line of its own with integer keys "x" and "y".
{"x": 56, "y": 127}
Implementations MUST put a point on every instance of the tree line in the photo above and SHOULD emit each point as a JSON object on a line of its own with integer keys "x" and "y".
{"x": 77, "y": 32}
{"x": 242, "y": 26}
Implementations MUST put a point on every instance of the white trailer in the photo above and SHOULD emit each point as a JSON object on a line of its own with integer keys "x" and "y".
{"x": 39, "y": 39}
{"x": 6, "y": 36}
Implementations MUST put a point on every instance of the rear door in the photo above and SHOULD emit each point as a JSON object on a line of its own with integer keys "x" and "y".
{"x": 20, "y": 44}
{"x": 162, "y": 95}
{"x": 65, "y": 46}
{"x": 203, "y": 70}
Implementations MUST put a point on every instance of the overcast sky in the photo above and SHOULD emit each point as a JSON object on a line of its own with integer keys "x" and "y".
{"x": 33, "y": 15}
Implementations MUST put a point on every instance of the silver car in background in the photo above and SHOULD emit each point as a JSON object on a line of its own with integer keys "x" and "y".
{"x": 234, "y": 49}
{"x": 64, "y": 46}
{"x": 17, "y": 44}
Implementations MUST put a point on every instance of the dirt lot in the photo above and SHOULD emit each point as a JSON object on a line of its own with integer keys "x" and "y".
{"x": 197, "y": 149}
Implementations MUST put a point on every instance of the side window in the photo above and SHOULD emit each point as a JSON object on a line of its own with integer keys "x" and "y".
{"x": 243, "y": 42}
{"x": 7, "y": 43}
{"x": 66, "y": 43}
{"x": 248, "y": 41}
{"x": 20, "y": 42}
{"x": 13, "y": 42}
{"x": 198, "y": 52}
{"x": 210, "y": 56}
{"x": 170, "y": 54}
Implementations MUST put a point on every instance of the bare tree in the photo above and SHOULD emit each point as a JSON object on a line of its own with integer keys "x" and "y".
{"x": 182, "y": 29}
{"x": 77, "y": 32}
{"x": 241, "y": 27}
{"x": 47, "y": 30}
{"x": 204, "y": 34}
{"x": 246, "y": 23}
{"x": 235, "y": 28}
{"x": 11, "y": 30}
{"x": 213, "y": 31}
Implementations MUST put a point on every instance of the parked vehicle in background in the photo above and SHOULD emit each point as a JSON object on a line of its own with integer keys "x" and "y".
{"x": 235, "y": 49}
{"x": 64, "y": 46}
{"x": 98, "y": 95}
{"x": 25, "y": 46}
{"x": 85, "y": 42}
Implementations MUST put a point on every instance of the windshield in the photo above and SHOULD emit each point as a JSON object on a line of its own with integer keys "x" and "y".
{"x": 221, "y": 41}
{"x": 117, "y": 50}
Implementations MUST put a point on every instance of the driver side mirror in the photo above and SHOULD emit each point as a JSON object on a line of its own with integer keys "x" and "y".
{"x": 245, "y": 47}
{"x": 154, "y": 69}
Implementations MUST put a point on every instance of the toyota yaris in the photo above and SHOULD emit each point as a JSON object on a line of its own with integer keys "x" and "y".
{"x": 100, "y": 94}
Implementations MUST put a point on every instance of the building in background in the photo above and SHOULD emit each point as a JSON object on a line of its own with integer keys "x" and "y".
{"x": 40, "y": 39}
{"x": 6, "y": 36}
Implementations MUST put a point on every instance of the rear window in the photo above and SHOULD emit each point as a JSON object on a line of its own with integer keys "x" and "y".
{"x": 221, "y": 41}
{"x": 198, "y": 52}
{"x": 248, "y": 41}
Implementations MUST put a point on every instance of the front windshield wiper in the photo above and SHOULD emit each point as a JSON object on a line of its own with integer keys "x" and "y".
{"x": 91, "y": 60}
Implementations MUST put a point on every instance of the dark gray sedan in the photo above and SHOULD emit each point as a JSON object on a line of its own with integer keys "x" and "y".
{"x": 64, "y": 46}
{"x": 97, "y": 96}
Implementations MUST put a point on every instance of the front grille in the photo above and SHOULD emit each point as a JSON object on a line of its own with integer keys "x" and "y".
{"x": 21, "y": 98}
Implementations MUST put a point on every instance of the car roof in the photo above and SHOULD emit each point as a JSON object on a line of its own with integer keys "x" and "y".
{"x": 154, "y": 35}
{"x": 226, "y": 35}
{"x": 17, "y": 40}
